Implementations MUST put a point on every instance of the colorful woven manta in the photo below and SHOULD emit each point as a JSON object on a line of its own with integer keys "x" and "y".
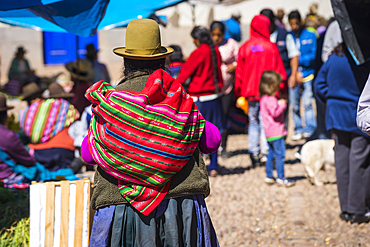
{"x": 143, "y": 138}
{"x": 44, "y": 119}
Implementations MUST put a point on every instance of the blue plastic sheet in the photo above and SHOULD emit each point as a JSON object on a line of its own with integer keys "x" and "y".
{"x": 80, "y": 17}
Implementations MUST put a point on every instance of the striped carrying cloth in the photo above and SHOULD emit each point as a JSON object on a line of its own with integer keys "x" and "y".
{"x": 143, "y": 138}
{"x": 45, "y": 118}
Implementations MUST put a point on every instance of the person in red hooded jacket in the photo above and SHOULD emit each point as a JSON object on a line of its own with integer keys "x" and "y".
{"x": 257, "y": 55}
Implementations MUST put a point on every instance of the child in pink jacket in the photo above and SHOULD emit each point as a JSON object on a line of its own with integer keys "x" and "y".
{"x": 273, "y": 123}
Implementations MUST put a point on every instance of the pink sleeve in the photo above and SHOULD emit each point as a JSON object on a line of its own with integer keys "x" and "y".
{"x": 85, "y": 153}
{"x": 210, "y": 139}
{"x": 274, "y": 108}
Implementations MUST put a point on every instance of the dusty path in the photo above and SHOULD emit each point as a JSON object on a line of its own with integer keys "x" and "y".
{"x": 247, "y": 212}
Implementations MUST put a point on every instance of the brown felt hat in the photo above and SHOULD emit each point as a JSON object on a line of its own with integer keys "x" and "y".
{"x": 30, "y": 90}
{"x": 57, "y": 91}
{"x": 81, "y": 69}
{"x": 143, "y": 41}
{"x": 91, "y": 50}
{"x": 3, "y": 106}
{"x": 20, "y": 50}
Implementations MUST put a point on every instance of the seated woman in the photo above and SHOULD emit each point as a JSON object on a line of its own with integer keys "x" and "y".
{"x": 82, "y": 74}
{"x": 12, "y": 150}
{"x": 20, "y": 69}
{"x": 30, "y": 93}
{"x": 46, "y": 123}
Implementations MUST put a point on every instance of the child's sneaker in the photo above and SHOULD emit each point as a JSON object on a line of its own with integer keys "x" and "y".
{"x": 269, "y": 181}
{"x": 263, "y": 159}
{"x": 285, "y": 182}
{"x": 297, "y": 137}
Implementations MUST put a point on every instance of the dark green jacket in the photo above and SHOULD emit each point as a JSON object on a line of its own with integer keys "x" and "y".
{"x": 191, "y": 179}
{"x": 14, "y": 68}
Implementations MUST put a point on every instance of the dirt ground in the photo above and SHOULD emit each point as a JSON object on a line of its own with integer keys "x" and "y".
{"x": 247, "y": 212}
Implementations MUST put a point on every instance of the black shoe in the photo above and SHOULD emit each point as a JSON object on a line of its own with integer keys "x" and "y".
{"x": 255, "y": 161}
{"x": 225, "y": 154}
{"x": 344, "y": 216}
{"x": 359, "y": 218}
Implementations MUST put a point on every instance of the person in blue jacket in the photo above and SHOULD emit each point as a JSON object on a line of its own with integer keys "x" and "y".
{"x": 306, "y": 43}
{"x": 232, "y": 28}
{"x": 336, "y": 86}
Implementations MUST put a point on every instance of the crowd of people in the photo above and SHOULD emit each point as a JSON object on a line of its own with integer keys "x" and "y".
{"x": 54, "y": 123}
{"x": 147, "y": 136}
{"x": 283, "y": 65}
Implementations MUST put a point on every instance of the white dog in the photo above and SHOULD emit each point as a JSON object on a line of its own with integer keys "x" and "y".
{"x": 316, "y": 155}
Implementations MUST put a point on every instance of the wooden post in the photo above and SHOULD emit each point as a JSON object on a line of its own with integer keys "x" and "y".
{"x": 49, "y": 218}
{"x": 79, "y": 213}
{"x": 64, "y": 213}
{"x": 90, "y": 212}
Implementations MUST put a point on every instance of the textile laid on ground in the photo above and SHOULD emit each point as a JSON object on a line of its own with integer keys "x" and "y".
{"x": 37, "y": 172}
{"x": 143, "y": 138}
{"x": 44, "y": 119}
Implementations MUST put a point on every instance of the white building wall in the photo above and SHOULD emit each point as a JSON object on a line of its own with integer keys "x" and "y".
{"x": 247, "y": 9}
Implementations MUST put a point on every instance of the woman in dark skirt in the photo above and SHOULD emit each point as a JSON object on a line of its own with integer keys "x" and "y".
{"x": 205, "y": 87}
{"x": 146, "y": 136}
{"x": 336, "y": 86}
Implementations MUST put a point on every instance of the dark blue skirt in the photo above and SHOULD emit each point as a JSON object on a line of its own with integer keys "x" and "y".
{"x": 212, "y": 112}
{"x": 54, "y": 159}
{"x": 180, "y": 221}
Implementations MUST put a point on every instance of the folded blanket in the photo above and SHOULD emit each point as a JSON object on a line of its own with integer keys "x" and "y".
{"x": 143, "y": 138}
{"x": 38, "y": 172}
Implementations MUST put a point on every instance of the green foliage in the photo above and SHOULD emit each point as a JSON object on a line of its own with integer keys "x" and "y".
{"x": 6, "y": 196}
{"x": 14, "y": 206}
{"x": 18, "y": 235}
{"x": 12, "y": 124}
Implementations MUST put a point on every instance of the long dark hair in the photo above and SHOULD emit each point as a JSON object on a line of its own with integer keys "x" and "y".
{"x": 295, "y": 15}
{"x": 133, "y": 66}
{"x": 338, "y": 50}
{"x": 219, "y": 25}
{"x": 202, "y": 33}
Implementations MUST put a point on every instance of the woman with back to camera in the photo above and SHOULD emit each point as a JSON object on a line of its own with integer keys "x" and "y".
{"x": 229, "y": 49}
{"x": 146, "y": 135}
{"x": 205, "y": 86}
{"x": 336, "y": 86}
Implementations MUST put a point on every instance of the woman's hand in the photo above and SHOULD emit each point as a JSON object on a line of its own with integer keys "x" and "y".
{"x": 299, "y": 78}
{"x": 231, "y": 68}
{"x": 292, "y": 81}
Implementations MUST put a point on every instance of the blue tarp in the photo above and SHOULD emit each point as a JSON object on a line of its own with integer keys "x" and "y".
{"x": 80, "y": 17}
{"x": 21, "y": 4}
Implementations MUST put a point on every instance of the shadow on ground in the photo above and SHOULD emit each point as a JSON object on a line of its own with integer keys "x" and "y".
{"x": 238, "y": 152}
{"x": 224, "y": 171}
{"x": 296, "y": 178}
{"x": 292, "y": 162}
{"x": 290, "y": 146}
